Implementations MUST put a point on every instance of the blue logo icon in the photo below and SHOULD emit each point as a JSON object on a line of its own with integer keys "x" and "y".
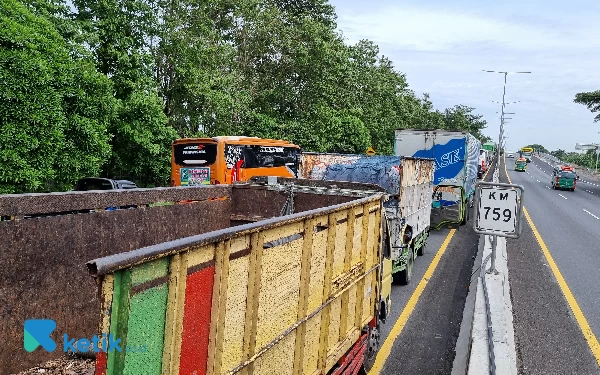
{"x": 37, "y": 333}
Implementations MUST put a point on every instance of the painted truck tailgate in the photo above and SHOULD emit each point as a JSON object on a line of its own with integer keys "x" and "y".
{"x": 408, "y": 182}
{"x": 280, "y": 295}
{"x": 456, "y": 157}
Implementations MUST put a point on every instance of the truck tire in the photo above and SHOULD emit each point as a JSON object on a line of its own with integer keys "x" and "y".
{"x": 421, "y": 250}
{"x": 372, "y": 349}
{"x": 466, "y": 219}
{"x": 405, "y": 275}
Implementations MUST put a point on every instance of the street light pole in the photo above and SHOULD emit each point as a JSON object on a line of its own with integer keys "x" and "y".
{"x": 597, "y": 152}
{"x": 500, "y": 142}
{"x": 503, "y": 107}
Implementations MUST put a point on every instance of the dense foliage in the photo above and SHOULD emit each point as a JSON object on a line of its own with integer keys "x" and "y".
{"x": 103, "y": 88}
{"x": 585, "y": 159}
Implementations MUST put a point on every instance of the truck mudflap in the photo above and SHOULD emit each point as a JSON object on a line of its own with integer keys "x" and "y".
{"x": 351, "y": 362}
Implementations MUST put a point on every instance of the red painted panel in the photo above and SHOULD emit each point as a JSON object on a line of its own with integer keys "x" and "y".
{"x": 101, "y": 359}
{"x": 196, "y": 322}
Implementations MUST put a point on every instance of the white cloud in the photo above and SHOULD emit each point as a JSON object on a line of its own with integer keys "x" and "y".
{"x": 425, "y": 29}
{"x": 443, "y": 51}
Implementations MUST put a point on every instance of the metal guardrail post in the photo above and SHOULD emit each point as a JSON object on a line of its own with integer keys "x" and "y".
{"x": 493, "y": 264}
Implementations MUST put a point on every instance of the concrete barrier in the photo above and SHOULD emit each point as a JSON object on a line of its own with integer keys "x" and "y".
{"x": 486, "y": 343}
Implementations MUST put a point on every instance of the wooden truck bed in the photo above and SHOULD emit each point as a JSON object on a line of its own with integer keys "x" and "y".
{"x": 282, "y": 295}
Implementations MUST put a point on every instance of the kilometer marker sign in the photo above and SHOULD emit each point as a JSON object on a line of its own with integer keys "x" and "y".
{"x": 499, "y": 209}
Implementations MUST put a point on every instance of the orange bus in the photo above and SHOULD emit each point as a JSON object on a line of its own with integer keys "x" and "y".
{"x": 226, "y": 159}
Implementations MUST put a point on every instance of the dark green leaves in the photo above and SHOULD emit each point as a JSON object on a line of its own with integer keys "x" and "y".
{"x": 591, "y": 100}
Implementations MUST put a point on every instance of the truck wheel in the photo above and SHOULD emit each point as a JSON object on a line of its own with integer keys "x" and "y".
{"x": 372, "y": 349}
{"x": 421, "y": 250}
{"x": 464, "y": 221}
{"x": 405, "y": 275}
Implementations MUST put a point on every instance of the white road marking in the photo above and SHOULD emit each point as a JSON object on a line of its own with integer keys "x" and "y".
{"x": 598, "y": 218}
{"x": 562, "y": 196}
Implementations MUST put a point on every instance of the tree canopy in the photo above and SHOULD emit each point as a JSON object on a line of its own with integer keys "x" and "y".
{"x": 591, "y": 100}
{"x": 96, "y": 87}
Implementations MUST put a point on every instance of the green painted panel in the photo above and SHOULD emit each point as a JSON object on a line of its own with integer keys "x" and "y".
{"x": 149, "y": 271}
{"x": 146, "y": 322}
{"x": 145, "y": 336}
{"x": 118, "y": 320}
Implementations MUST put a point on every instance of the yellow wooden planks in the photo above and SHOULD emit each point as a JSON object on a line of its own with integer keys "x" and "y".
{"x": 324, "y": 335}
{"x": 175, "y": 310}
{"x": 279, "y": 291}
{"x": 307, "y": 245}
{"x": 255, "y": 265}
{"x": 219, "y": 301}
{"x": 233, "y": 340}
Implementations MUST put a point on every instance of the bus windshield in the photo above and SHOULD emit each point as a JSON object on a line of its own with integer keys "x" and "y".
{"x": 195, "y": 154}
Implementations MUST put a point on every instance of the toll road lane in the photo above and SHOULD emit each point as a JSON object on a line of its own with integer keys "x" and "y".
{"x": 580, "y": 203}
{"x": 554, "y": 293}
{"x": 590, "y": 187}
{"x": 420, "y": 335}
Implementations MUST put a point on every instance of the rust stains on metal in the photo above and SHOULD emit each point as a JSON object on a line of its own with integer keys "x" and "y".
{"x": 43, "y": 261}
{"x": 27, "y": 204}
{"x": 114, "y": 262}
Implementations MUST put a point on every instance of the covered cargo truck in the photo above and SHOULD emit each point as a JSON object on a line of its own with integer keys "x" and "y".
{"x": 296, "y": 284}
{"x": 456, "y": 155}
{"x": 408, "y": 183}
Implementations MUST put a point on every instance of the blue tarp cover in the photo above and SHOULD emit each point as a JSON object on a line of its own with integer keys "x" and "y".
{"x": 378, "y": 170}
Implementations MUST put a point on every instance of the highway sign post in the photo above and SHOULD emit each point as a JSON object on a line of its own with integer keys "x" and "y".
{"x": 499, "y": 212}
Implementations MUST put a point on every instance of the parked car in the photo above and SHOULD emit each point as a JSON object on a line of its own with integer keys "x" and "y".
{"x": 97, "y": 183}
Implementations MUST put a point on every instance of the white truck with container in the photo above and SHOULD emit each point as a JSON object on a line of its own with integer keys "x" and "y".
{"x": 408, "y": 182}
{"x": 456, "y": 155}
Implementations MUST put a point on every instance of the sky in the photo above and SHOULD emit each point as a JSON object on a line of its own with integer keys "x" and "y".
{"x": 443, "y": 46}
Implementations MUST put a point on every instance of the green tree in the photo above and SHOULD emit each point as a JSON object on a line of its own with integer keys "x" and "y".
{"x": 55, "y": 107}
{"x": 122, "y": 34}
{"x": 461, "y": 117}
{"x": 560, "y": 154}
{"x": 591, "y": 100}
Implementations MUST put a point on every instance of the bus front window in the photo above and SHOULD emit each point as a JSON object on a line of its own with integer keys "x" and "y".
{"x": 194, "y": 161}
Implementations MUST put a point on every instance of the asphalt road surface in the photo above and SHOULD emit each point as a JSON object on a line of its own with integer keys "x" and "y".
{"x": 427, "y": 341}
{"x": 549, "y": 333}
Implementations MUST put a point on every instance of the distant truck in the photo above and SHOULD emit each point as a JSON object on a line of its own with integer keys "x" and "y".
{"x": 456, "y": 155}
{"x": 527, "y": 153}
{"x": 408, "y": 183}
{"x": 297, "y": 283}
